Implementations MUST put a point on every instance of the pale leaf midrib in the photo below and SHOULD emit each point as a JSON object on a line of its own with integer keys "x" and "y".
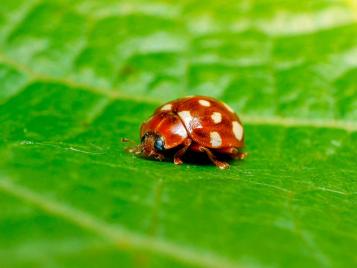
{"x": 349, "y": 126}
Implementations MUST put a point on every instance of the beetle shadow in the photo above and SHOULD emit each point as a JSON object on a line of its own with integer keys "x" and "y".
{"x": 193, "y": 158}
{"x": 201, "y": 159}
{"x": 190, "y": 158}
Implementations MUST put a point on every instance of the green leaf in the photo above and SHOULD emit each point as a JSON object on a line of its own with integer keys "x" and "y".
{"x": 77, "y": 76}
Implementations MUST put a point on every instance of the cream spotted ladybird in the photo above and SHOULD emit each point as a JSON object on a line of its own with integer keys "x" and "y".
{"x": 198, "y": 124}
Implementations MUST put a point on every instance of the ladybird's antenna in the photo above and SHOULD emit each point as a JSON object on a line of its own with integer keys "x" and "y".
{"x": 134, "y": 148}
{"x": 127, "y": 140}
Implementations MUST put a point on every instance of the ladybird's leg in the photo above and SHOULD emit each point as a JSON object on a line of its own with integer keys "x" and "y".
{"x": 212, "y": 157}
{"x": 232, "y": 152}
{"x": 195, "y": 147}
{"x": 182, "y": 151}
{"x": 241, "y": 155}
{"x": 159, "y": 157}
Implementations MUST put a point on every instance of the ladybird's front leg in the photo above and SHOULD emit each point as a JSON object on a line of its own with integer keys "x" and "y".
{"x": 182, "y": 151}
{"x": 159, "y": 157}
{"x": 212, "y": 157}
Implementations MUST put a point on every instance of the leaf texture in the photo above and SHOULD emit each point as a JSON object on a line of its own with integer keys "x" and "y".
{"x": 77, "y": 76}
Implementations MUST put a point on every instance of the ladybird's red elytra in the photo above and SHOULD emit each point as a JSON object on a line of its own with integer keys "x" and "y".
{"x": 197, "y": 123}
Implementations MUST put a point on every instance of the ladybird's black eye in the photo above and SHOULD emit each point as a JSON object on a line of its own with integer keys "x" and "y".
{"x": 143, "y": 138}
{"x": 159, "y": 144}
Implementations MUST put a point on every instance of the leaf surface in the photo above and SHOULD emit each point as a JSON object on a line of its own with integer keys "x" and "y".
{"x": 77, "y": 76}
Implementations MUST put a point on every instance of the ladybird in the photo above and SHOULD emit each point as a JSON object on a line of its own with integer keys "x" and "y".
{"x": 198, "y": 124}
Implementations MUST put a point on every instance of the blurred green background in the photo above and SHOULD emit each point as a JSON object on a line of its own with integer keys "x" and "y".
{"x": 77, "y": 76}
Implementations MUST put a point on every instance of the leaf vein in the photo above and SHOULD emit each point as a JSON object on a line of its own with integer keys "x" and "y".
{"x": 349, "y": 126}
{"x": 119, "y": 236}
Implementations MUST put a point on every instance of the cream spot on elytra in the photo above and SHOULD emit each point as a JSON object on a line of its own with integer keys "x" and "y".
{"x": 180, "y": 130}
{"x": 216, "y": 117}
{"x": 166, "y": 107}
{"x": 216, "y": 139}
{"x": 189, "y": 121}
{"x": 204, "y": 103}
{"x": 185, "y": 117}
{"x": 237, "y": 130}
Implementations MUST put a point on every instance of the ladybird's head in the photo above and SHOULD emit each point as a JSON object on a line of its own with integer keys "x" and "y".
{"x": 152, "y": 145}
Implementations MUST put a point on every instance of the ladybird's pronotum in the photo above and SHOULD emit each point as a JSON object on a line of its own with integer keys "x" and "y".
{"x": 199, "y": 124}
